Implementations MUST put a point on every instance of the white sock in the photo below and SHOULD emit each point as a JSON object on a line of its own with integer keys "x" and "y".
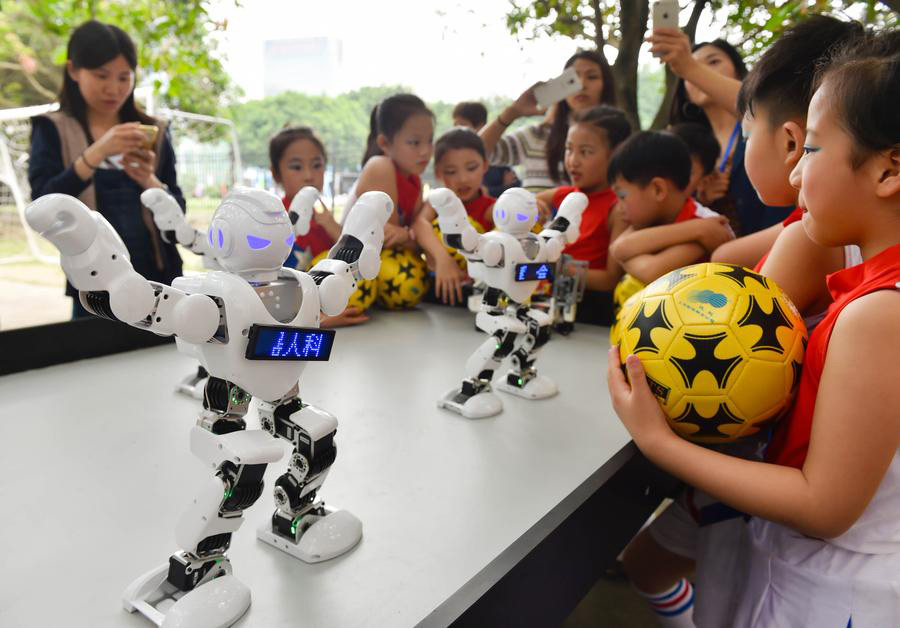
{"x": 674, "y": 608}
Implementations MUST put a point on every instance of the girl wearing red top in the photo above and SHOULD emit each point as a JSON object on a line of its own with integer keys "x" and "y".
{"x": 826, "y": 528}
{"x": 460, "y": 162}
{"x": 398, "y": 151}
{"x": 591, "y": 139}
{"x": 297, "y": 159}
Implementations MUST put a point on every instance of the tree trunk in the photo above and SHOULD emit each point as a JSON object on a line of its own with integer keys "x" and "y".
{"x": 661, "y": 119}
{"x": 633, "y": 23}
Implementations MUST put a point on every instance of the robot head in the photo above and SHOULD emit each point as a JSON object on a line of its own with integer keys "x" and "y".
{"x": 516, "y": 211}
{"x": 250, "y": 231}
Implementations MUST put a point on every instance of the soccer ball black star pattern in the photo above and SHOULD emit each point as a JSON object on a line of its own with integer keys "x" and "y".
{"x": 645, "y": 324}
{"x": 402, "y": 279}
{"x": 722, "y": 346}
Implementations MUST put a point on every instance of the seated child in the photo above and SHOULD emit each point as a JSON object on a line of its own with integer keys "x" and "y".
{"x": 459, "y": 164}
{"x": 398, "y": 150}
{"x": 650, "y": 173}
{"x": 592, "y": 137}
{"x": 297, "y": 159}
{"x": 497, "y": 178}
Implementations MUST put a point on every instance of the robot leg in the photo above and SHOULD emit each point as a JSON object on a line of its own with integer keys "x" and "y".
{"x": 302, "y": 525}
{"x": 523, "y": 380}
{"x": 474, "y": 399}
{"x": 196, "y": 587}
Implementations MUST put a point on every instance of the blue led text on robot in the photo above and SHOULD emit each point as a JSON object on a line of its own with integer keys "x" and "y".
{"x": 312, "y": 345}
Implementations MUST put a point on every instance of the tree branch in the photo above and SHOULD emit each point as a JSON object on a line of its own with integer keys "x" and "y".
{"x": 599, "y": 39}
{"x": 632, "y": 24}
{"x": 691, "y": 27}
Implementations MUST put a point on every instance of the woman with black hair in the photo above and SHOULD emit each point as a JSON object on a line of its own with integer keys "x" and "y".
{"x": 94, "y": 148}
{"x": 540, "y": 147}
{"x": 709, "y": 77}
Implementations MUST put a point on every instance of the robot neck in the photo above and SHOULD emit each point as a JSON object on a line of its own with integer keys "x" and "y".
{"x": 258, "y": 276}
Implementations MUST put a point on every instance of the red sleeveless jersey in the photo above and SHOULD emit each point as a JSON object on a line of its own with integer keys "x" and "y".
{"x": 479, "y": 209}
{"x": 592, "y": 245}
{"x": 317, "y": 240}
{"x": 794, "y": 216}
{"x": 688, "y": 211}
{"x": 409, "y": 191}
{"x": 791, "y": 439}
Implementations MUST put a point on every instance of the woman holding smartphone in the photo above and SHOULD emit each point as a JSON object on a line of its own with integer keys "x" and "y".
{"x": 540, "y": 147}
{"x": 101, "y": 148}
{"x": 709, "y": 77}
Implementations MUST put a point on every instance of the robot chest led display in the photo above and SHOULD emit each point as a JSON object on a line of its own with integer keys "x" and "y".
{"x": 246, "y": 309}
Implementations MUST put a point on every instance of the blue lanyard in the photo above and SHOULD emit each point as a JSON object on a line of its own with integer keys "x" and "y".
{"x": 731, "y": 141}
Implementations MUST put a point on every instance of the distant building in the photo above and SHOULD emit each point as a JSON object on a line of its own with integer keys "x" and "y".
{"x": 309, "y": 65}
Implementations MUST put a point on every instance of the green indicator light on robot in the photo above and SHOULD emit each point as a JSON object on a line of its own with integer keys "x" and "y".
{"x": 294, "y": 525}
{"x": 229, "y": 493}
{"x": 520, "y": 381}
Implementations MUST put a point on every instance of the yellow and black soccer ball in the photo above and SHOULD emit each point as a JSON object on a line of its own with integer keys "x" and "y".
{"x": 615, "y": 331}
{"x": 402, "y": 280}
{"x": 366, "y": 289}
{"x": 623, "y": 293}
{"x": 722, "y": 348}
{"x": 459, "y": 259}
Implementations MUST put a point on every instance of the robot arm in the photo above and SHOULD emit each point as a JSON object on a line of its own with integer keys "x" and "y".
{"x": 97, "y": 263}
{"x": 357, "y": 254}
{"x": 301, "y": 210}
{"x": 566, "y": 226}
{"x": 171, "y": 222}
{"x": 458, "y": 233}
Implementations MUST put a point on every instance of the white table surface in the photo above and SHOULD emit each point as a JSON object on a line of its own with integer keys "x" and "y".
{"x": 95, "y": 470}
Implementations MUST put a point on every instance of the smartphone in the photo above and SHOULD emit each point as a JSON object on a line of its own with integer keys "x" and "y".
{"x": 556, "y": 89}
{"x": 150, "y": 132}
{"x": 665, "y": 14}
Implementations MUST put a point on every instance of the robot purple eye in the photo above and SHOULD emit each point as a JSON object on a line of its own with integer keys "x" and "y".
{"x": 257, "y": 243}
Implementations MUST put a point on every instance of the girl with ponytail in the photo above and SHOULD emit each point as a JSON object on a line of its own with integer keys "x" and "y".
{"x": 398, "y": 150}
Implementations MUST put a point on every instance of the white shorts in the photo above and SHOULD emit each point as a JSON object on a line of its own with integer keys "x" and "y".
{"x": 720, "y": 550}
{"x": 795, "y": 580}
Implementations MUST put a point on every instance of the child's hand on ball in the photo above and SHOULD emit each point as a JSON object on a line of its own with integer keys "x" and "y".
{"x": 635, "y": 404}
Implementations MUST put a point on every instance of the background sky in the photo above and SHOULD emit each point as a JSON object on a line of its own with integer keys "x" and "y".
{"x": 445, "y": 50}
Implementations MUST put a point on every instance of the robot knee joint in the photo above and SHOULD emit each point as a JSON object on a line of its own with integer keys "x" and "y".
{"x": 245, "y": 485}
{"x": 507, "y": 342}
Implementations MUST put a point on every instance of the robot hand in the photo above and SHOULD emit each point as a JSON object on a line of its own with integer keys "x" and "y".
{"x": 301, "y": 209}
{"x": 568, "y": 218}
{"x": 93, "y": 255}
{"x": 363, "y": 234}
{"x": 454, "y": 221}
{"x": 169, "y": 218}
{"x": 357, "y": 255}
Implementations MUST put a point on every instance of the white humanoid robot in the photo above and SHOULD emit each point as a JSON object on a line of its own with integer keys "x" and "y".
{"x": 510, "y": 260}
{"x": 252, "y": 325}
{"x": 174, "y": 227}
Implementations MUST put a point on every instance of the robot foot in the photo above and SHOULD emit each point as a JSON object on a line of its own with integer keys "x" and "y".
{"x": 217, "y": 603}
{"x": 537, "y": 387}
{"x": 193, "y": 384}
{"x": 328, "y": 536}
{"x": 479, "y": 406}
